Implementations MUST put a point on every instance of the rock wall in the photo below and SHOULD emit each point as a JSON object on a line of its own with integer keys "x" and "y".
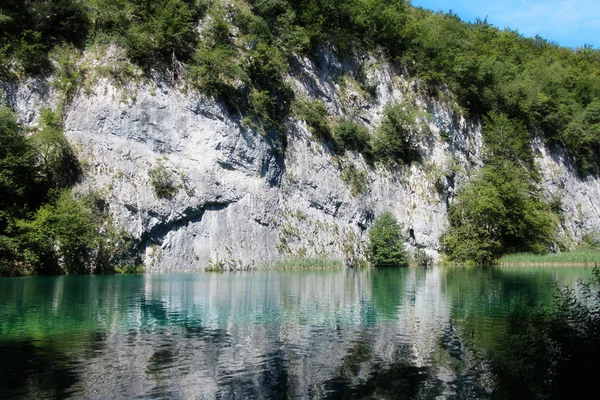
{"x": 241, "y": 201}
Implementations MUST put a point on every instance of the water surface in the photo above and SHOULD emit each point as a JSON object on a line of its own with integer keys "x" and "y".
{"x": 397, "y": 333}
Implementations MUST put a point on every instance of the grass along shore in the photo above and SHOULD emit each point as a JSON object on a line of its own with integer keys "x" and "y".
{"x": 577, "y": 258}
{"x": 303, "y": 263}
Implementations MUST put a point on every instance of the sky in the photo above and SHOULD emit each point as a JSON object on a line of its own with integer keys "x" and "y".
{"x": 570, "y": 23}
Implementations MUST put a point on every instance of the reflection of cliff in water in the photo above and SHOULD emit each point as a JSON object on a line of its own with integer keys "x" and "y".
{"x": 384, "y": 334}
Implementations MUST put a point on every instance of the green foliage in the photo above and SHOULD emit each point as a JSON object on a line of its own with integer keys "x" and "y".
{"x": 216, "y": 67}
{"x": 582, "y": 136}
{"x": 61, "y": 235}
{"x": 421, "y": 258}
{"x": 551, "y": 353}
{"x": 58, "y": 163}
{"x": 152, "y": 32}
{"x": 533, "y": 84}
{"x": 17, "y": 169}
{"x": 43, "y": 228}
{"x": 162, "y": 181}
{"x": 589, "y": 255}
{"x": 507, "y": 140}
{"x": 353, "y": 137}
{"x": 386, "y": 247}
{"x": 69, "y": 236}
{"x": 315, "y": 115}
{"x": 304, "y": 263}
{"x": 266, "y": 66}
{"x": 397, "y": 138}
{"x": 29, "y": 30}
{"x": 67, "y": 76}
{"x": 499, "y": 211}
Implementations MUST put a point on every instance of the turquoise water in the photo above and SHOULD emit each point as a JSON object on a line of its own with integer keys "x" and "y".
{"x": 272, "y": 334}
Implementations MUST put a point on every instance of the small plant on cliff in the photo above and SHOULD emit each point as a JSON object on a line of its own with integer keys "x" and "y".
{"x": 315, "y": 115}
{"x": 386, "y": 247}
{"x": 354, "y": 137}
{"x": 397, "y": 140}
{"x": 162, "y": 182}
{"x": 357, "y": 180}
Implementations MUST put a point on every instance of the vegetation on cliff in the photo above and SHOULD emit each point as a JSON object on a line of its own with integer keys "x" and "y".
{"x": 240, "y": 51}
{"x": 44, "y": 227}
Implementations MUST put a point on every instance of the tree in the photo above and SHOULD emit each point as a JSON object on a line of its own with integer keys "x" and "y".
{"x": 17, "y": 170}
{"x": 499, "y": 211}
{"x": 65, "y": 234}
{"x": 386, "y": 248}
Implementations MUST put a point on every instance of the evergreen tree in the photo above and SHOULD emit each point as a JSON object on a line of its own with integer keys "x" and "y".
{"x": 386, "y": 248}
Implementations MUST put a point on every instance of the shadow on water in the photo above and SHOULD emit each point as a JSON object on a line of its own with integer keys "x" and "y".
{"x": 35, "y": 372}
{"x": 46, "y": 368}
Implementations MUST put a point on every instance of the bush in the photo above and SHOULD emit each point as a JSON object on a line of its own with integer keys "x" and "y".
{"x": 397, "y": 139}
{"x": 60, "y": 167}
{"x": 356, "y": 179}
{"x": 162, "y": 182}
{"x": 17, "y": 169}
{"x": 72, "y": 236}
{"x": 315, "y": 115}
{"x": 152, "y": 32}
{"x": 61, "y": 236}
{"x": 507, "y": 140}
{"x": 28, "y": 30}
{"x": 386, "y": 247}
{"x": 354, "y": 137}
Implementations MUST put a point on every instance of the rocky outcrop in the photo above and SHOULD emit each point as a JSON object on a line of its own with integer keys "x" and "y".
{"x": 241, "y": 201}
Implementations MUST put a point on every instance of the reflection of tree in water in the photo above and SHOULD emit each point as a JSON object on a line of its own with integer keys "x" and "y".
{"x": 388, "y": 291}
{"x": 267, "y": 381}
{"x": 363, "y": 374}
{"x": 454, "y": 374}
{"x": 46, "y": 369}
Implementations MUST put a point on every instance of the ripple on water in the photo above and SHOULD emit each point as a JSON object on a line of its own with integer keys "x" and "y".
{"x": 322, "y": 334}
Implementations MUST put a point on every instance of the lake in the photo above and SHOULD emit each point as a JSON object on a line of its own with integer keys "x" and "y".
{"x": 399, "y": 333}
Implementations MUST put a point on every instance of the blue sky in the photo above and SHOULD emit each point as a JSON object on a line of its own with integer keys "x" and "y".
{"x": 567, "y": 22}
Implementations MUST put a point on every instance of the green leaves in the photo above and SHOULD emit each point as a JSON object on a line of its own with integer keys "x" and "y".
{"x": 162, "y": 181}
{"x": 43, "y": 228}
{"x": 386, "y": 245}
{"x": 28, "y": 30}
{"x": 18, "y": 174}
{"x": 397, "y": 138}
{"x": 315, "y": 115}
{"x": 497, "y": 212}
{"x": 507, "y": 140}
{"x": 354, "y": 137}
{"x": 57, "y": 161}
{"x": 67, "y": 230}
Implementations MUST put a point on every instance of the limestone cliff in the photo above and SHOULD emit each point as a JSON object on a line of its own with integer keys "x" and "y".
{"x": 241, "y": 200}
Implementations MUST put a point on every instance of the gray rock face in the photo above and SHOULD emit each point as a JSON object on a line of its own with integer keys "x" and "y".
{"x": 241, "y": 201}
